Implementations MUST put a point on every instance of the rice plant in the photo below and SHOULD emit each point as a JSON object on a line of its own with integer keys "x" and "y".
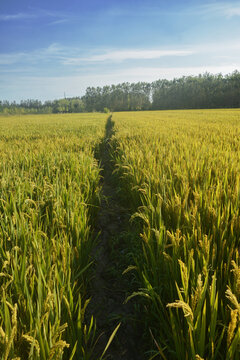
{"x": 180, "y": 171}
{"x": 49, "y": 197}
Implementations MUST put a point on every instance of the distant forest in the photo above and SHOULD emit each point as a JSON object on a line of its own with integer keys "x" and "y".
{"x": 188, "y": 92}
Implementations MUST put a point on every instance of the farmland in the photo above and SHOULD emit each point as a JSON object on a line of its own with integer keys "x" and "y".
{"x": 48, "y": 200}
{"x": 176, "y": 176}
{"x": 182, "y": 172}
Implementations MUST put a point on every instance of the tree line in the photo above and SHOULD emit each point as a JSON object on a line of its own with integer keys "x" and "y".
{"x": 71, "y": 105}
{"x": 188, "y": 92}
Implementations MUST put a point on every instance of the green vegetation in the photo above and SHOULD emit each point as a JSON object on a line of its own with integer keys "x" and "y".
{"x": 177, "y": 174}
{"x": 49, "y": 196}
{"x": 179, "y": 171}
{"x": 205, "y": 91}
{"x": 62, "y": 106}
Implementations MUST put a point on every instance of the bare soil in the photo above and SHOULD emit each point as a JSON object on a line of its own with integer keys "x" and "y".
{"x": 109, "y": 287}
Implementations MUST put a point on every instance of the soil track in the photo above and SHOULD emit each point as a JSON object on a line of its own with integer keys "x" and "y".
{"x": 110, "y": 287}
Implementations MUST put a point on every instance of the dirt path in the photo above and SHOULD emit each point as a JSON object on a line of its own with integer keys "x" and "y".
{"x": 110, "y": 287}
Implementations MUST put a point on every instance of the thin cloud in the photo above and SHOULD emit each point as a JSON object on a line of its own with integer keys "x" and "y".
{"x": 9, "y": 59}
{"x": 37, "y": 14}
{"x": 152, "y": 73}
{"x": 52, "y": 52}
{"x": 16, "y": 70}
{"x": 143, "y": 10}
{"x": 19, "y": 16}
{"x": 57, "y": 22}
{"x": 59, "y": 16}
{"x": 70, "y": 56}
{"x": 225, "y": 48}
{"x": 122, "y": 55}
{"x": 228, "y": 10}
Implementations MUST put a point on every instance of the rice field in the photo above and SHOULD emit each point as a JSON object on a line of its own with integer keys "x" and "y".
{"x": 178, "y": 173}
{"x": 49, "y": 196}
{"x": 180, "y": 170}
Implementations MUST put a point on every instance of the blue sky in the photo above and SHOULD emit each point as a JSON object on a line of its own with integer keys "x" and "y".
{"x": 52, "y": 47}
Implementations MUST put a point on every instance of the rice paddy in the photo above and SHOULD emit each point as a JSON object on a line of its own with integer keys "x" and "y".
{"x": 48, "y": 199}
{"x": 181, "y": 170}
{"x": 178, "y": 173}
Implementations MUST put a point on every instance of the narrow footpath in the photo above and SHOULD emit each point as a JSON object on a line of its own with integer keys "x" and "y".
{"x": 110, "y": 287}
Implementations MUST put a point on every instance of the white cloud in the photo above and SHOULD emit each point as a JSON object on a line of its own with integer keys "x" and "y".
{"x": 57, "y": 22}
{"x": 19, "y": 16}
{"x": 38, "y": 13}
{"x": 60, "y": 55}
{"x": 154, "y": 73}
{"x": 9, "y": 59}
{"x": 223, "y": 9}
{"x": 69, "y": 56}
{"x": 53, "y": 51}
{"x": 122, "y": 55}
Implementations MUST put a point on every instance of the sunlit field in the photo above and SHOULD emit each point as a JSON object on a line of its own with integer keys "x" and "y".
{"x": 178, "y": 176}
{"x": 181, "y": 170}
{"x": 48, "y": 199}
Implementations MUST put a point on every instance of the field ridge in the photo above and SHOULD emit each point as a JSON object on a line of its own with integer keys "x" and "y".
{"x": 110, "y": 288}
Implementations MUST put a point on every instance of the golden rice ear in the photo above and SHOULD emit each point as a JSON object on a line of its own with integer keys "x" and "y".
{"x": 233, "y": 299}
{"x": 236, "y": 272}
{"x": 33, "y": 342}
{"x": 2, "y": 334}
{"x": 57, "y": 349}
{"x": 232, "y": 326}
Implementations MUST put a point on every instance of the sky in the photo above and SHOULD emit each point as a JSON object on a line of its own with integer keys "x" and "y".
{"x": 55, "y": 48}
